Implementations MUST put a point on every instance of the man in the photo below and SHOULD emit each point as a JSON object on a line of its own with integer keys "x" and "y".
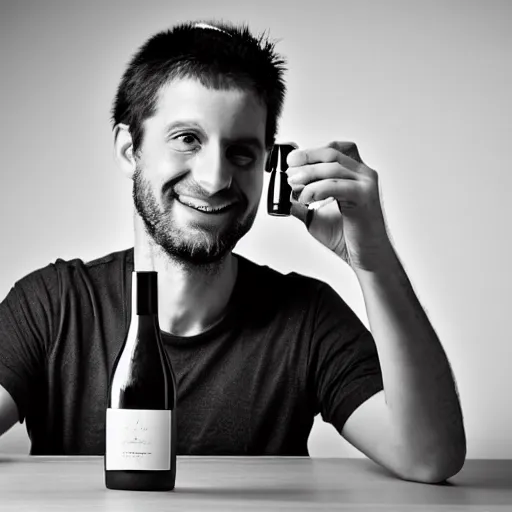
{"x": 257, "y": 354}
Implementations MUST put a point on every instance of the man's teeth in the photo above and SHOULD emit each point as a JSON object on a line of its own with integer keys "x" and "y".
{"x": 198, "y": 205}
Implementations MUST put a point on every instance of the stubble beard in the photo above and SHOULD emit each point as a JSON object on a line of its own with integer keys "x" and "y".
{"x": 197, "y": 247}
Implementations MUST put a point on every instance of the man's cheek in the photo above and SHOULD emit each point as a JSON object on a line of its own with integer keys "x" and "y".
{"x": 252, "y": 185}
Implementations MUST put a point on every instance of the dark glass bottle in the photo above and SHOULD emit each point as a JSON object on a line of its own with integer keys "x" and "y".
{"x": 140, "y": 442}
{"x": 279, "y": 190}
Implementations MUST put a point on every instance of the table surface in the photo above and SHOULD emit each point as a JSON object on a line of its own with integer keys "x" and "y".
{"x": 251, "y": 483}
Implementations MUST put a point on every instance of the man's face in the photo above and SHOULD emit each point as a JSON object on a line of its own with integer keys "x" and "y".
{"x": 200, "y": 169}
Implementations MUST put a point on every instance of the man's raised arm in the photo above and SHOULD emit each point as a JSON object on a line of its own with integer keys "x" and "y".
{"x": 415, "y": 426}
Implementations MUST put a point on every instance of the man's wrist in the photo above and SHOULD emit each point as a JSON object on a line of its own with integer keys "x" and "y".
{"x": 379, "y": 262}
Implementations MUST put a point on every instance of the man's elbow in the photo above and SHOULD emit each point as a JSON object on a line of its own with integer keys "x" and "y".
{"x": 435, "y": 473}
{"x": 437, "y": 467}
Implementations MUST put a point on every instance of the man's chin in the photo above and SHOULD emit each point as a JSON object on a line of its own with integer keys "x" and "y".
{"x": 198, "y": 244}
{"x": 196, "y": 254}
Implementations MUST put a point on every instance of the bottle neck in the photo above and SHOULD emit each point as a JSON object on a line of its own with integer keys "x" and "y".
{"x": 144, "y": 294}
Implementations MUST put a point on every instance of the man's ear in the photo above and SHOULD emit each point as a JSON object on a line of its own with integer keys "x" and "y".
{"x": 123, "y": 150}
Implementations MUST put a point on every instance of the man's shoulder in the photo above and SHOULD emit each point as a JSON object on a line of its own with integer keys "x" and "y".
{"x": 60, "y": 271}
{"x": 118, "y": 258}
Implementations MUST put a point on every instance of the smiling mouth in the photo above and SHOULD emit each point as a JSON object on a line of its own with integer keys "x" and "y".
{"x": 204, "y": 208}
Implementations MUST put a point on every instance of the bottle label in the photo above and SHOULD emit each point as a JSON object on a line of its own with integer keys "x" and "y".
{"x": 138, "y": 439}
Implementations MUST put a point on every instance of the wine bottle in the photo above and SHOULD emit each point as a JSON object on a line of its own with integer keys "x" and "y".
{"x": 140, "y": 437}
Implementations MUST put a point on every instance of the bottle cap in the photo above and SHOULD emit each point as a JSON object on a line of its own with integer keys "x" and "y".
{"x": 277, "y": 159}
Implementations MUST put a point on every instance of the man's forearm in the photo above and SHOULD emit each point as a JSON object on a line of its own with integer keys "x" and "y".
{"x": 418, "y": 383}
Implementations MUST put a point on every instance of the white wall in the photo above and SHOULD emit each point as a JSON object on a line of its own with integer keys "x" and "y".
{"x": 422, "y": 87}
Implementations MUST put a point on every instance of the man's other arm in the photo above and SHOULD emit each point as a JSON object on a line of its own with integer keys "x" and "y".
{"x": 8, "y": 411}
{"x": 28, "y": 315}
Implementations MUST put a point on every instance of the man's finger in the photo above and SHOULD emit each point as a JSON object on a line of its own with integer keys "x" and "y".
{"x": 334, "y": 153}
{"x": 306, "y": 213}
{"x": 346, "y": 192}
{"x": 299, "y": 210}
{"x": 315, "y": 172}
{"x": 347, "y": 148}
{"x": 300, "y": 157}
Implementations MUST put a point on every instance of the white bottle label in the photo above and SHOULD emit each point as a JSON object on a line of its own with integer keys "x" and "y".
{"x": 138, "y": 439}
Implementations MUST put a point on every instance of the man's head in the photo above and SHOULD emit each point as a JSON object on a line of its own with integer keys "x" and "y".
{"x": 195, "y": 114}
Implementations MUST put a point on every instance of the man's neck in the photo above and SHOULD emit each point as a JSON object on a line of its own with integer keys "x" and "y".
{"x": 191, "y": 299}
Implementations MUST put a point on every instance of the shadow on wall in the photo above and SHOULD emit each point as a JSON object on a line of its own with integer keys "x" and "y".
{"x": 15, "y": 440}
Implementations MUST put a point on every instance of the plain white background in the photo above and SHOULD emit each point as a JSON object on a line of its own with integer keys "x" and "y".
{"x": 423, "y": 88}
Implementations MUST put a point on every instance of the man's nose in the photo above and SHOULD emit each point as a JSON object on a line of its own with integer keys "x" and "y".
{"x": 213, "y": 171}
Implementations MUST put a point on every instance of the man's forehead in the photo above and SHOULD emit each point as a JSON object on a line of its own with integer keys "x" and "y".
{"x": 189, "y": 100}
{"x": 192, "y": 88}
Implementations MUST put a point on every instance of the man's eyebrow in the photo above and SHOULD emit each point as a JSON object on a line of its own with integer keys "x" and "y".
{"x": 182, "y": 124}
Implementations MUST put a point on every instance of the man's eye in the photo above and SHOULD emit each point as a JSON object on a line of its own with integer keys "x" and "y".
{"x": 241, "y": 156}
{"x": 244, "y": 160}
{"x": 188, "y": 138}
{"x": 185, "y": 141}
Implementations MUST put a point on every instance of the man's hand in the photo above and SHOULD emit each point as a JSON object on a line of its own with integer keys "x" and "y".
{"x": 352, "y": 225}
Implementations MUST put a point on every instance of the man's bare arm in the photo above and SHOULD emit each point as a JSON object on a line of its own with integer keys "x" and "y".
{"x": 415, "y": 426}
{"x": 8, "y": 411}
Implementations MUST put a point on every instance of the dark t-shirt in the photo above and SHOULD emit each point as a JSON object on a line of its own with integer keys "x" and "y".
{"x": 288, "y": 348}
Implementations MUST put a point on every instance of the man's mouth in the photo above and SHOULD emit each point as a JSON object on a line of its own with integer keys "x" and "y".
{"x": 203, "y": 206}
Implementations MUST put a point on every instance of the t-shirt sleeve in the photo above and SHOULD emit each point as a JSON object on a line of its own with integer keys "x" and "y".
{"x": 344, "y": 365}
{"x": 27, "y": 318}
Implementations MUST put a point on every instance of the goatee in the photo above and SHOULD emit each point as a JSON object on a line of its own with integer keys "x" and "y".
{"x": 199, "y": 246}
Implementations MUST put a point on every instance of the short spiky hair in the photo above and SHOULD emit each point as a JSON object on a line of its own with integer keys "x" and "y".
{"x": 218, "y": 54}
